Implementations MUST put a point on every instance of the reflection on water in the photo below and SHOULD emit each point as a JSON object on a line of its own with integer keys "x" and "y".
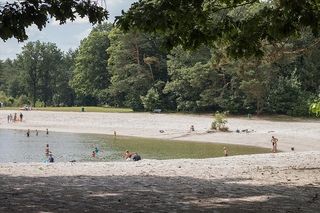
{"x": 15, "y": 146}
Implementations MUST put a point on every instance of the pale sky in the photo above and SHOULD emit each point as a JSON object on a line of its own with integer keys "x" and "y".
{"x": 67, "y": 36}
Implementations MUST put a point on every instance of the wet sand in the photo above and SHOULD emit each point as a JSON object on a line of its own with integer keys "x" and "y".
{"x": 281, "y": 182}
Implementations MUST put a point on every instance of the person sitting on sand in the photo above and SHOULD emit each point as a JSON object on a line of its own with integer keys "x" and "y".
{"x": 136, "y": 157}
{"x": 128, "y": 155}
{"x": 132, "y": 156}
{"x": 274, "y": 142}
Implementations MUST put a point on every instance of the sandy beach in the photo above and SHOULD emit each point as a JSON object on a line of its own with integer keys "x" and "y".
{"x": 275, "y": 182}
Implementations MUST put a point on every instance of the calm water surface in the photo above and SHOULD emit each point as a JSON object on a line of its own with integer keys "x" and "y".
{"x": 15, "y": 146}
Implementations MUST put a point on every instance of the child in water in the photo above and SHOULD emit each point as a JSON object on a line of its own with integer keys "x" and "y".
{"x": 225, "y": 151}
{"x": 51, "y": 159}
{"x": 47, "y": 150}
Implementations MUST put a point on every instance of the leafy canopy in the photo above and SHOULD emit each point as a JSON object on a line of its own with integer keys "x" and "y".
{"x": 17, "y": 16}
{"x": 191, "y": 23}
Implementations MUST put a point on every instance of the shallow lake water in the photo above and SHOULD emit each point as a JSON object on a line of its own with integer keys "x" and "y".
{"x": 15, "y": 146}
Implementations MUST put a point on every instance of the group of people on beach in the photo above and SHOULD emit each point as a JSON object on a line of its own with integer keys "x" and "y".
{"x": 13, "y": 118}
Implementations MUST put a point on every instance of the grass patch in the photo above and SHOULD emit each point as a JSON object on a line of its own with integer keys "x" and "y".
{"x": 74, "y": 109}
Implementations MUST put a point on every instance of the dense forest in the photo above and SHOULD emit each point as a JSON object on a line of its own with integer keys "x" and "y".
{"x": 134, "y": 70}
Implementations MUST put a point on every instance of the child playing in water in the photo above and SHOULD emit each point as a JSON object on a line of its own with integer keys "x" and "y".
{"x": 47, "y": 150}
{"x": 51, "y": 159}
{"x": 225, "y": 151}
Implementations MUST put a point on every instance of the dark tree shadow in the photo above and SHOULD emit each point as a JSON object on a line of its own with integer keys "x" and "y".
{"x": 150, "y": 194}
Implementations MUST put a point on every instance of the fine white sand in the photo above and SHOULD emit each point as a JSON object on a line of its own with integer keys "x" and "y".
{"x": 275, "y": 182}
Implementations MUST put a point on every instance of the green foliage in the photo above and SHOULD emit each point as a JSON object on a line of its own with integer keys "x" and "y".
{"x": 39, "y": 104}
{"x": 5, "y": 99}
{"x": 152, "y": 100}
{"x": 132, "y": 70}
{"x": 39, "y": 66}
{"x": 242, "y": 25}
{"x": 190, "y": 76}
{"x": 220, "y": 121}
{"x": 22, "y": 100}
{"x": 315, "y": 107}
{"x": 17, "y": 16}
{"x": 136, "y": 64}
{"x": 91, "y": 73}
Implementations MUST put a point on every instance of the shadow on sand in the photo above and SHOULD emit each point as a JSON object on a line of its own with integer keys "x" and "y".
{"x": 151, "y": 194}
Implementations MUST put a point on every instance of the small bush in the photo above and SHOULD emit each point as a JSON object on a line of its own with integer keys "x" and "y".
{"x": 220, "y": 121}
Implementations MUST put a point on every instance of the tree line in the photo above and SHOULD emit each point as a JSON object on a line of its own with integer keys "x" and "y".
{"x": 133, "y": 69}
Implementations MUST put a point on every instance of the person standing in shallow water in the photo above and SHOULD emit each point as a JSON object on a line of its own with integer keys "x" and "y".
{"x": 225, "y": 151}
{"x": 51, "y": 159}
{"x": 28, "y": 133}
{"x": 47, "y": 132}
{"x": 21, "y": 117}
{"x": 274, "y": 142}
{"x": 47, "y": 151}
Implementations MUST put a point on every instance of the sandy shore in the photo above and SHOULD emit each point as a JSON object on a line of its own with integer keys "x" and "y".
{"x": 281, "y": 182}
{"x": 302, "y": 135}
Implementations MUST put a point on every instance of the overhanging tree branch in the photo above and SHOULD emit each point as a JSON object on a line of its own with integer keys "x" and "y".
{"x": 17, "y": 16}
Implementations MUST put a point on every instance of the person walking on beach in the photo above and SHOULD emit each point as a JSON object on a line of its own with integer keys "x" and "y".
{"x": 15, "y": 117}
{"x": 274, "y": 142}
{"x": 8, "y": 118}
{"x": 21, "y": 116}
